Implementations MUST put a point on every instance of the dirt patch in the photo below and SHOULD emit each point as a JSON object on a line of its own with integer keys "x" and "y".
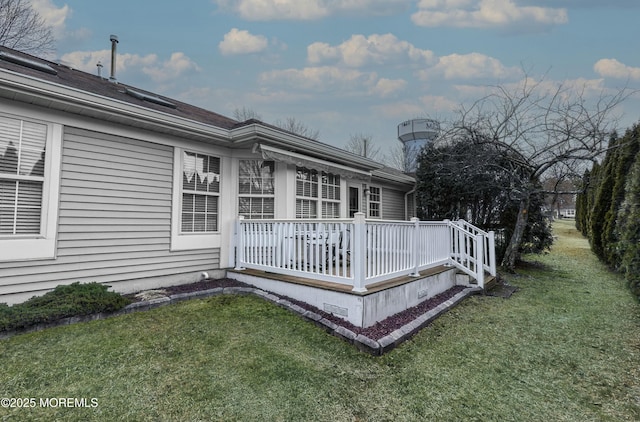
{"x": 198, "y": 286}
{"x": 532, "y": 265}
{"x": 502, "y": 289}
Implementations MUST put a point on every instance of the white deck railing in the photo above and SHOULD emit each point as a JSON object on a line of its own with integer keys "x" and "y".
{"x": 359, "y": 252}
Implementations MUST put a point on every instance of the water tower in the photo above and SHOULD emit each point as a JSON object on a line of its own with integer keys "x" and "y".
{"x": 414, "y": 135}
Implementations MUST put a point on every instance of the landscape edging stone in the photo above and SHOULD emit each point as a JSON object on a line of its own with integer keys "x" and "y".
{"x": 362, "y": 342}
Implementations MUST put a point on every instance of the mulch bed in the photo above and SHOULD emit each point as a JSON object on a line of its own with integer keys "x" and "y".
{"x": 375, "y": 332}
{"x": 387, "y": 326}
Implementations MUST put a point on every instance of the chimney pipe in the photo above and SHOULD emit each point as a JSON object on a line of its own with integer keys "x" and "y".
{"x": 114, "y": 42}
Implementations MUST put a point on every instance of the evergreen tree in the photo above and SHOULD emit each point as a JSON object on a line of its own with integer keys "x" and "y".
{"x": 582, "y": 208}
{"x": 625, "y": 155}
{"x": 602, "y": 200}
{"x": 592, "y": 190}
{"x": 629, "y": 228}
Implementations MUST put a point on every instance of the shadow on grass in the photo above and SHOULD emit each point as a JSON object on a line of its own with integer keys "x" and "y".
{"x": 532, "y": 265}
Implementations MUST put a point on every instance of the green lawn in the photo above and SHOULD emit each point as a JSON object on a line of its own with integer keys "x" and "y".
{"x": 565, "y": 347}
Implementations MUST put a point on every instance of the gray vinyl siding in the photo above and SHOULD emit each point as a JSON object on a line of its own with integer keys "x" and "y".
{"x": 114, "y": 219}
{"x": 392, "y": 204}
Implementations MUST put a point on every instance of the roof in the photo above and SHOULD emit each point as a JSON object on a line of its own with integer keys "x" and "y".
{"x": 394, "y": 175}
{"x": 87, "y": 82}
{"x": 59, "y": 86}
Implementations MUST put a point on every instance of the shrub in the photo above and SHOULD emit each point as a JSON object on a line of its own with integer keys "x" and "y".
{"x": 64, "y": 301}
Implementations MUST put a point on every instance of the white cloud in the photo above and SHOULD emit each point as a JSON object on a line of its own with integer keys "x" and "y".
{"x": 53, "y": 15}
{"x": 264, "y": 10}
{"x": 276, "y": 9}
{"x": 319, "y": 78}
{"x": 57, "y": 18}
{"x": 612, "y": 68}
{"x": 375, "y": 49}
{"x": 149, "y": 65}
{"x": 426, "y": 105}
{"x": 486, "y": 14}
{"x": 242, "y": 42}
{"x": 87, "y": 60}
{"x": 469, "y": 66}
{"x": 387, "y": 87}
{"x": 177, "y": 65}
{"x": 325, "y": 79}
{"x": 568, "y": 89}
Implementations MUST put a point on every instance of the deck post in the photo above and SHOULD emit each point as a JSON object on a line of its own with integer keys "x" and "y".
{"x": 415, "y": 247}
{"x": 479, "y": 265}
{"x": 359, "y": 252}
{"x": 450, "y": 242}
{"x": 492, "y": 253}
{"x": 239, "y": 244}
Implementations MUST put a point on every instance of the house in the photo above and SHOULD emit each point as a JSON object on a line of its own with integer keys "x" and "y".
{"x": 102, "y": 181}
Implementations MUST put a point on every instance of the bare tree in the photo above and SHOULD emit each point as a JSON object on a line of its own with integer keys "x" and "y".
{"x": 244, "y": 114}
{"x": 22, "y": 28}
{"x": 397, "y": 158}
{"x": 294, "y": 125}
{"x": 538, "y": 126}
{"x": 363, "y": 145}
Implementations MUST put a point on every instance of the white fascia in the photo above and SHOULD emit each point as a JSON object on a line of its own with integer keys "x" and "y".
{"x": 256, "y": 133}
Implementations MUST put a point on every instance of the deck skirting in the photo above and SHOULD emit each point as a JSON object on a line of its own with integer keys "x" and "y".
{"x": 362, "y": 309}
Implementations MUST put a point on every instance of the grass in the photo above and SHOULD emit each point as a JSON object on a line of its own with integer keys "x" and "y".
{"x": 564, "y": 348}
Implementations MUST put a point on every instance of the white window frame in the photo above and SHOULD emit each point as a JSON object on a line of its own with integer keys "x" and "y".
{"x": 370, "y": 201}
{"x": 321, "y": 187}
{"x": 311, "y": 199}
{"x": 258, "y": 195}
{"x": 43, "y": 245}
{"x": 326, "y": 188}
{"x": 191, "y": 241}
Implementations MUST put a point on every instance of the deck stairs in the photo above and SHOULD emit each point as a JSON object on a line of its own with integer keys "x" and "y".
{"x": 490, "y": 281}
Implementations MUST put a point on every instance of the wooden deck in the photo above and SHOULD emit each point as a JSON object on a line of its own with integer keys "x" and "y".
{"x": 343, "y": 288}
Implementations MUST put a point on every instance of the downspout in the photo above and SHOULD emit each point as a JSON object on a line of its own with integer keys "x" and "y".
{"x": 406, "y": 202}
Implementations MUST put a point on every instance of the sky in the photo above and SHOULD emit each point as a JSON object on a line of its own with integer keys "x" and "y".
{"x": 352, "y": 67}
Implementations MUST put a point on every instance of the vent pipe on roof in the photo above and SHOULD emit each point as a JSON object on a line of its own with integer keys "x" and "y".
{"x": 99, "y": 65}
{"x": 114, "y": 42}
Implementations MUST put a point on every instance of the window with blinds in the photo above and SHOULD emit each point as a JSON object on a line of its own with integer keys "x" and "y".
{"x": 22, "y": 158}
{"x": 330, "y": 195}
{"x": 317, "y": 192}
{"x": 256, "y": 191}
{"x": 200, "y": 193}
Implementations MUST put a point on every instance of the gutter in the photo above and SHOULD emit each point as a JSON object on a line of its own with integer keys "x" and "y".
{"x": 283, "y": 139}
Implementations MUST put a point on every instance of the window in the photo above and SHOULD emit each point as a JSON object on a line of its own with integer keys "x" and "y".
{"x": 200, "y": 193}
{"x": 330, "y": 195}
{"x": 22, "y": 149}
{"x": 196, "y": 201}
{"x": 306, "y": 187}
{"x": 29, "y": 187}
{"x": 374, "y": 202}
{"x": 354, "y": 201}
{"x": 315, "y": 192}
{"x": 256, "y": 189}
